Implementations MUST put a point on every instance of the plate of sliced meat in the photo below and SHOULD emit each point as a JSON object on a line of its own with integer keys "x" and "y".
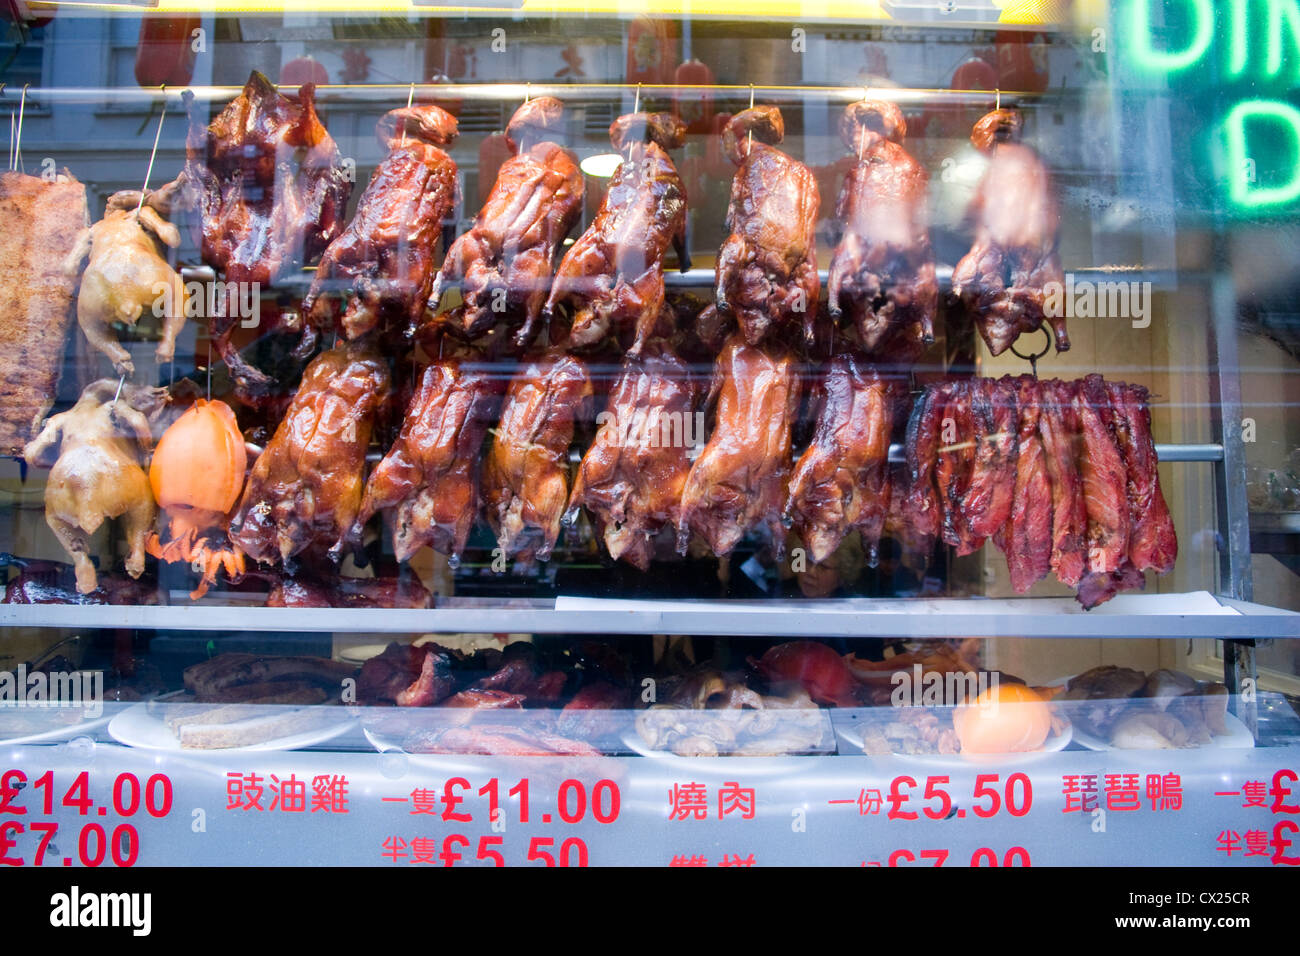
{"x": 195, "y": 726}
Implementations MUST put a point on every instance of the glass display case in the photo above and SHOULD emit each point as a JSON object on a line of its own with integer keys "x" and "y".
{"x": 538, "y": 434}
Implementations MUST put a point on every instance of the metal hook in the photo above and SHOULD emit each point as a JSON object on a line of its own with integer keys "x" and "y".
{"x": 749, "y": 145}
{"x": 1033, "y": 358}
{"x": 997, "y": 103}
{"x": 410, "y": 98}
{"x": 636, "y": 104}
{"x": 528, "y": 91}
{"x": 120, "y": 382}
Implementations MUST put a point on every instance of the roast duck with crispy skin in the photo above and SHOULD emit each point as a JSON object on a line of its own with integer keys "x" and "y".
{"x": 740, "y": 480}
{"x": 428, "y": 483}
{"x": 305, "y": 488}
{"x": 526, "y": 472}
{"x": 613, "y": 276}
{"x": 1003, "y": 280}
{"x": 882, "y": 272}
{"x": 632, "y": 477}
{"x": 767, "y": 267}
{"x": 382, "y": 264}
{"x": 1061, "y": 475}
{"x": 841, "y": 481}
{"x": 271, "y": 191}
{"x": 502, "y": 266}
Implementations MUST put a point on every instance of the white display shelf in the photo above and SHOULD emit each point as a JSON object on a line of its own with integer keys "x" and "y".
{"x": 1194, "y": 614}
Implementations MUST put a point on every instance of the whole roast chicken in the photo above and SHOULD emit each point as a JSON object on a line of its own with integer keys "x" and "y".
{"x": 882, "y": 272}
{"x": 740, "y": 479}
{"x": 385, "y": 256}
{"x": 96, "y": 452}
{"x": 271, "y": 191}
{"x": 632, "y": 477}
{"x": 502, "y": 266}
{"x": 126, "y": 275}
{"x": 428, "y": 483}
{"x": 1003, "y": 280}
{"x": 526, "y": 473}
{"x": 305, "y": 488}
{"x": 841, "y": 482}
{"x": 767, "y": 267}
{"x": 614, "y": 274}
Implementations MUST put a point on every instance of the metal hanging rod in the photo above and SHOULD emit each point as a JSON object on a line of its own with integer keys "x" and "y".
{"x": 395, "y": 92}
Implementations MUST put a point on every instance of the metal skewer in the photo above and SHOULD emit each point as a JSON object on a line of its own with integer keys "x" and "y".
{"x": 156, "y": 137}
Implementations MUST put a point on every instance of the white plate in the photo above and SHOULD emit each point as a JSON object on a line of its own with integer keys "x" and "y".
{"x": 1238, "y": 736}
{"x": 777, "y": 764}
{"x": 136, "y": 727}
{"x": 1053, "y": 744}
{"x": 62, "y": 732}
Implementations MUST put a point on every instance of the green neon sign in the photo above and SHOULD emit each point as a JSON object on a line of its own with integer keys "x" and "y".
{"x": 1246, "y": 48}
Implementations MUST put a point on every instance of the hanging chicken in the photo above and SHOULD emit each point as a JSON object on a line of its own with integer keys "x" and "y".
{"x": 95, "y": 452}
{"x": 882, "y": 272}
{"x": 613, "y": 276}
{"x": 382, "y": 263}
{"x": 502, "y": 266}
{"x": 127, "y": 275}
{"x": 739, "y": 481}
{"x": 526, "y": 472}
{"x": 271, "y": 191}
{"x": 631, "y": 479}
{"x": 767, "y": 268}
{"x": 305, "y": 488}
{"x": 196, "y": 475}
{"x": 428, "y": 483}
{"x": 1003, "y": 281}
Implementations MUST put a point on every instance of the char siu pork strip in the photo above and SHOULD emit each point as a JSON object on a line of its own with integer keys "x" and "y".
{"x": 1153, "y": 543}
{"x": 1026, "y": 538}
{"x": 1105, "y": 479}
{"x": 994, "y": 412}
{"x": 1058, "y": 427}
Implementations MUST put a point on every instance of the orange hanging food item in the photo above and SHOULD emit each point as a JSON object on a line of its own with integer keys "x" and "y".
{"x": 197, "y": 475}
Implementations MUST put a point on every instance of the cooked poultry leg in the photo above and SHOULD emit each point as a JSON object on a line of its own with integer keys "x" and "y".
{"x": 1014, "y": 257}
{"x": 882, "y": 272}
{"x": 614, "y": 274}
{"x": 305, "y": 489}
{"x": 386, "y": 253}
{"x": 503, "y": 264}
{"x": 767, "y": 267}
{"x": 262, "y": 210}
{"x": 95, "y": 452}
{"x": 632, "y": 477}
{"x": 525, "y": 476}
{"x": 842, "y": 480}
{"x": 429, "y": 480}
{"x": 124, "y": 275}
{"x": 740, "y": 480}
